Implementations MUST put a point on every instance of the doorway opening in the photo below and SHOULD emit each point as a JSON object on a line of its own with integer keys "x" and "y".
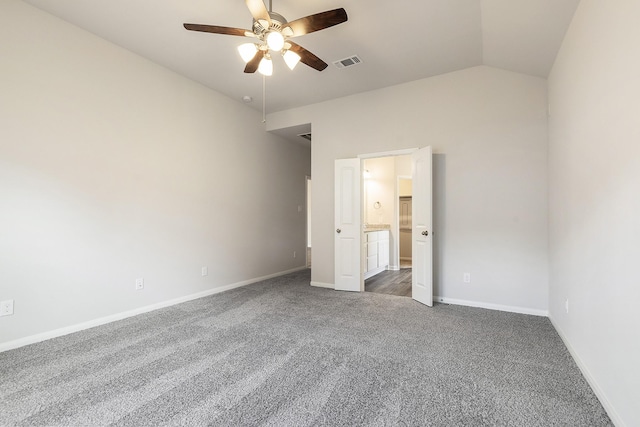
{"x": 386, "y": 196}
{"x": 353, "y": 217}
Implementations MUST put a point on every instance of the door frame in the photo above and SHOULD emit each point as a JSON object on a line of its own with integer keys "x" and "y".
{"x": 307, "y": 211}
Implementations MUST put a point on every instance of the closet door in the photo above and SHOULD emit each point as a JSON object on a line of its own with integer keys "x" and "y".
{"x": 347, "y": 231}
{"x": 422, "y": 232}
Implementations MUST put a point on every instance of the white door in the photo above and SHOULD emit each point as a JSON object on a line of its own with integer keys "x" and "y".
{"x": 422, "y": 232}
{"x": 347, "y": 225}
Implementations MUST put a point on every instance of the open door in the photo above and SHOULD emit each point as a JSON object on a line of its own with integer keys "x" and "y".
{"x": 347, "y": 225}
{"x": 422, "y": 232}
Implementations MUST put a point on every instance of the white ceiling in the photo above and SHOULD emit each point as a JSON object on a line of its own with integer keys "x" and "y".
{"x": 398, "y": 41}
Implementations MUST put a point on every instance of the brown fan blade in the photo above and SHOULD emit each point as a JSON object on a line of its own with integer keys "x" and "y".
{"x": 258, "y": 10}
{"x": 307, "y": 57}
{"x": 252, "y": 65}
{"x": 317, "y": 22}
{"x": 216, "y": 29}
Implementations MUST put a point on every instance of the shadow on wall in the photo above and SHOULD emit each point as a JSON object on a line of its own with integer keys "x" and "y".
{"x": 439, "y": 220}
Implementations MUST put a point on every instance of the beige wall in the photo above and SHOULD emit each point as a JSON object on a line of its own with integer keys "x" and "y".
{"x": 113, "y": 168}
{"x": 594, "y": 200}
{"x": 380, "y": 187}
{"x": 488, "y": 130}
{"x": 405, "y": 187}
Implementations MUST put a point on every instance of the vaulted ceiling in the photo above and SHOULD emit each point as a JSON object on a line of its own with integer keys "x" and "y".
{"x": 398, "y": 41}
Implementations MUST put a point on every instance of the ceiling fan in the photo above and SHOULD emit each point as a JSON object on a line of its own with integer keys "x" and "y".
{"x": 272, "y": 33}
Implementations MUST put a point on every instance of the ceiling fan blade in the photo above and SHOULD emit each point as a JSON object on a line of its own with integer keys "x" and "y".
{"x": 216, "y": 29}
{"x": 258, "y": 10}
{"x": 317, "y": 22}
{"x": 307, "y": 57}
{"x": 252, "y": 65}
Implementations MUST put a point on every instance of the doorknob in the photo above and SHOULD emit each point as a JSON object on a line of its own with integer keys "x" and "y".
{"x": 338, "y": 231}
{"x": 425, "y": 233}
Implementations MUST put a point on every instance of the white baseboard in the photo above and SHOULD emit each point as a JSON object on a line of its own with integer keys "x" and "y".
{"x": 371, "y": 273}
{"x": 323, "y": 285}
{"x": 393, "y": 268}
{"x": 32, "y": 339}
{"x": 606, "y": 404}
{"x": 499, "y": 307}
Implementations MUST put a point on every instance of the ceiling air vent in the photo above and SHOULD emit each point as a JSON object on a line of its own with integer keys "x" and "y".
{"x": 347, "y": 62}
{"x": 306, "y": 136}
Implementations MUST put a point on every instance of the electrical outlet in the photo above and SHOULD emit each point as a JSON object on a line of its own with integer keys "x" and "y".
{"x": 294, "y": 254}
{"x": 205, "y": 271}
{"x": 466, "y": 277}
{"x": 139, "y": 284}
{"x": 6, "y": 307}
{"x": 566, "y": 305}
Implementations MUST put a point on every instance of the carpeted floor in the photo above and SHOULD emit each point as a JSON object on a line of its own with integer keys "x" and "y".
{"x": 282, "y": 353}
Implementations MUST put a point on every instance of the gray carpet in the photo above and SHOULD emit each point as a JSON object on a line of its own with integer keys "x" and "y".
{"x": 281, "y": 353}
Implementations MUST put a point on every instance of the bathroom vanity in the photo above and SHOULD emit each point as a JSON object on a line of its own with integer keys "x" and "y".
{"x": 376, "y": 250}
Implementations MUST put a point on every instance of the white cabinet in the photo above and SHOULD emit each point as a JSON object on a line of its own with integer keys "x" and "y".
{"x": 383, "y": 249}
{"x": 371, "y": 250}
{"x": 376, "y": 252}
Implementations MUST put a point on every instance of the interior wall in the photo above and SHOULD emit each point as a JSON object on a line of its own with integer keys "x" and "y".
{"x": 594, "y": 200}
{"x": 379, "y": 188}
{"x": 488, "y": 130}
{"x": 113, "y": 168}
{"x": 405, "y": 188}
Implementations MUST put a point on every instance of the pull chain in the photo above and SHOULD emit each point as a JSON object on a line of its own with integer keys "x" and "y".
{"x": 264, "y": 82}
{"x": 264, "y": 98}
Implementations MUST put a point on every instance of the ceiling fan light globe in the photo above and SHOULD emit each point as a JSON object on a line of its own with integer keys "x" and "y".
{"x": 291, "y": 59}
{"x": 275, "y": 41}
{"x": 247, "y": 51}
{"x": 287, "y": 31}
{"x": 266, "y": 66}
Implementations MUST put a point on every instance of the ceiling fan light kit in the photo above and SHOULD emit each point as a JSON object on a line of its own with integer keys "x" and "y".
{"x": 247, "y": 51}
{"x": 273, "y": 32}
{"x": 275, "y": 41}
{"x": 291, "y": 59}
{"x": 266, "y": 65}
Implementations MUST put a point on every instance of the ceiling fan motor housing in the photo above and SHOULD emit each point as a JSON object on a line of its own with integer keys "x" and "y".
{"x": 277, "y": 22}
